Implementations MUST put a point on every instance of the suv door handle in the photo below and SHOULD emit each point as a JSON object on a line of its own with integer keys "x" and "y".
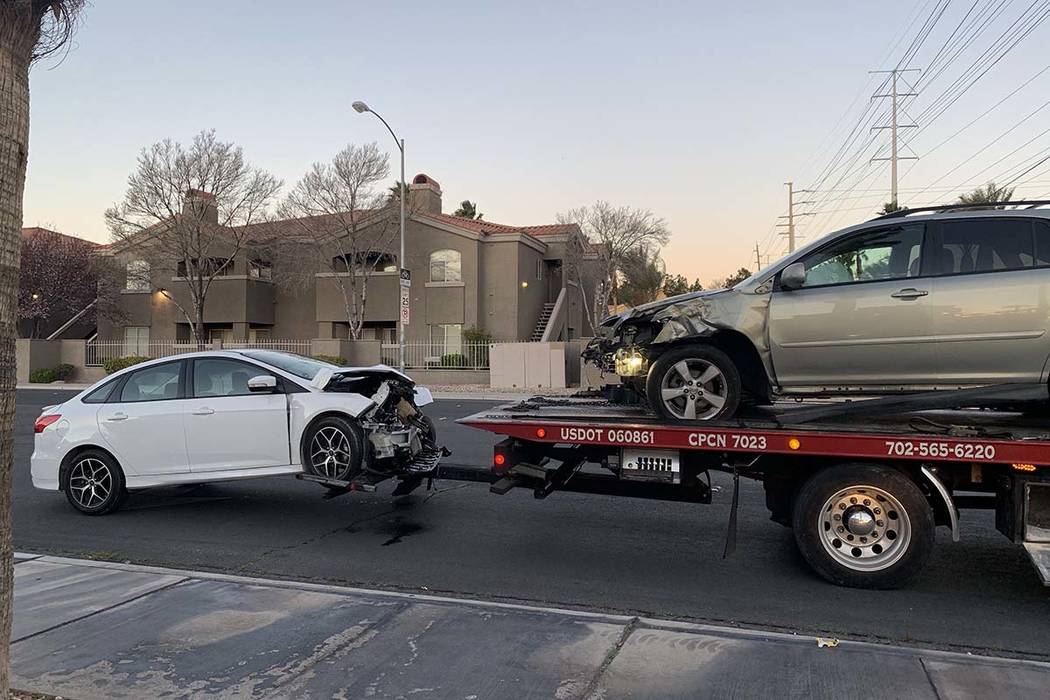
{"x": 204, "y": 411}
{"x": 909, "y": 293}
{"x": 118, "y": 416}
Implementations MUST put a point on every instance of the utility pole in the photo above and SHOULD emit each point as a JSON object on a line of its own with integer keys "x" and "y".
{"x": 894, "y": 126}
{"x": 790, "y": 233}
{"x": 758, "y": 259}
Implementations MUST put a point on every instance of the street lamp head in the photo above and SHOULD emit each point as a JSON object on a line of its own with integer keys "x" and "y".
{"x": 360, "y": 107}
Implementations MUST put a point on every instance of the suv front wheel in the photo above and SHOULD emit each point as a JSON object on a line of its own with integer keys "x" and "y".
{"x": 694, "y": 383}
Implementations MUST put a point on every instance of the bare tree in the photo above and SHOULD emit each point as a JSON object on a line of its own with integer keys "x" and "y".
{"x": 188, "y": 212}
{"x": 57, "y": 281}
{"x": 29, "y": 30}
{"x": 339, "y": 222}
{"x": 614, "y": 233}
{"x": 643, "y": 276}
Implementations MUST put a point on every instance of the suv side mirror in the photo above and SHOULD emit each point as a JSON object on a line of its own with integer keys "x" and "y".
{"x": 263, "y": 384}
{"x": 793, "y": 276}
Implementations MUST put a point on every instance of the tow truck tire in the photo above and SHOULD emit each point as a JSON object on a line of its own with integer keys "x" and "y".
{"x": 334, "y": 447}
{"x": 863, "y": 526}
{"x": 686, "y": 385}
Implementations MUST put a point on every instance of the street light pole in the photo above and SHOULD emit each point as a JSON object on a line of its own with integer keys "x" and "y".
{"x": 360, "y": 108}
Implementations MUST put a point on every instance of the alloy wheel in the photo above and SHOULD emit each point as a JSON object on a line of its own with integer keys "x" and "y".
{"x": 330, "y": 452}
{"x": 864, "y": 528}
{"x": 90, "y": 482}
{"x": 694, "y": 389}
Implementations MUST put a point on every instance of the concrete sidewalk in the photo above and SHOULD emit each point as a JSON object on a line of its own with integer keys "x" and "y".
{"x": 87, "y": 629}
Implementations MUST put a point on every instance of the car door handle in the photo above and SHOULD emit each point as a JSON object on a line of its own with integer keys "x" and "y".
{"x": 118, "y": 416}
{"x": 909, "y": 293}
{"x": 204, "y": 411}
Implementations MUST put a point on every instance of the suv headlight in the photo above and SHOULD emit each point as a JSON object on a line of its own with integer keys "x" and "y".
{"x": 630, "y": 362}
{"x": 673, "y": 329}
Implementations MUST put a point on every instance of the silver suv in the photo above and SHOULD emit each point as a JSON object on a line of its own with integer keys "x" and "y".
{"x": 905, "y": 302}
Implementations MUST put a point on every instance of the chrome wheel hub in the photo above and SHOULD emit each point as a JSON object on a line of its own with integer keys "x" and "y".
{"x": 90, "y": 482}
{"x": 693, "y": 389}
{"x": 330, "y": 452}
{"x": 864, "y": 528}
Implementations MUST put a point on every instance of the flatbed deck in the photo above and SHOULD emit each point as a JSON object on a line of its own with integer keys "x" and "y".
{"x": 978, "y": 435}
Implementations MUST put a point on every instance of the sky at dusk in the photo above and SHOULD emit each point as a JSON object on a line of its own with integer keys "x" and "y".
{"x": 698, "y": 111}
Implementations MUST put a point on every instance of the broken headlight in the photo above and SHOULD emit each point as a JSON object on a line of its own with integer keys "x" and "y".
{"x": 673, "y": 329}
{"x": 630, "y": 362}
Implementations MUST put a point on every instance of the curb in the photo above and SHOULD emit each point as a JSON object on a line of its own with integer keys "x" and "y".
{"x": 742, "y": 633}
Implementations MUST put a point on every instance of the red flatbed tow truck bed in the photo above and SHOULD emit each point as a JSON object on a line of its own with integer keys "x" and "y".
{"x": 862, "y": 484}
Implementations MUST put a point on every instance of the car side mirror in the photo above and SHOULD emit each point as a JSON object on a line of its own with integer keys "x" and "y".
{"x": 263, "y": 384}
{"x": 793, "y": 276}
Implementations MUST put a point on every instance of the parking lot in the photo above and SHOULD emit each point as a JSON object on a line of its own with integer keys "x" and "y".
{"x": 588, "y": 552}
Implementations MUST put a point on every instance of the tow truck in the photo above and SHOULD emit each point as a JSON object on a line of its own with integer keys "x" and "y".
{"x": 863, "y": 484}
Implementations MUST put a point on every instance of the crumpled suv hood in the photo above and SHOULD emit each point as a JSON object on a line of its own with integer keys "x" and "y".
{"x": 694, "y": 305}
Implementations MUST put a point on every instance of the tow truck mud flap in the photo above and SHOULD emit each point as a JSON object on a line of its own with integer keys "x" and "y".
{"x": 1040, "y": 555}
{"x": 1037, "y": 527}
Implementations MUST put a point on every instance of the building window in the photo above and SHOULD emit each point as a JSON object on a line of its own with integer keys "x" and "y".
{"x": 260, "y": 335}
{"x": 446, "y": 338}
{"x": 220, "y": 335}
{"x": 136, "y": 341}
{"x": 138, "y": 276}
{"x": 260, "y": 269}
{"x": 446, "y": 266}
{"x": 204, "y": 267}
{"x": 539, "y": 268}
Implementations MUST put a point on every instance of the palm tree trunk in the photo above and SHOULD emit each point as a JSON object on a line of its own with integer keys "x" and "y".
{"x": 15, "y": 48}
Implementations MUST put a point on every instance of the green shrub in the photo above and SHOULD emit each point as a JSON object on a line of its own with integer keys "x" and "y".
{"x": 64, "y": 371}
{"x": 454, "y": 359}
{"x": 331, "y": 359}
{"x": 477, "y": 335}
{"x": 118, "y": 363}
{"x": 44, "y": 375}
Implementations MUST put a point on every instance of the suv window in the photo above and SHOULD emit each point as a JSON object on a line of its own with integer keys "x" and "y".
{"x": 985, "y": 245}
{"x": 219, "y": 377}
{"x": 155, "y": 383}
{"x": 867, "y": 257}
{"x": 1042, "y": 243}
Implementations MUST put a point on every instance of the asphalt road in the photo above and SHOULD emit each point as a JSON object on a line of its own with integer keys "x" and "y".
{"x": 578, "y": 551}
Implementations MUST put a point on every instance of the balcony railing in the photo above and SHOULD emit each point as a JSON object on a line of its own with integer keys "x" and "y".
{"x": 98, "y": 353}
{"x": 439, "y": 355}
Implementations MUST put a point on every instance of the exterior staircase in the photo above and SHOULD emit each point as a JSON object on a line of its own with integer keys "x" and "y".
{"x": 541, "y": 324}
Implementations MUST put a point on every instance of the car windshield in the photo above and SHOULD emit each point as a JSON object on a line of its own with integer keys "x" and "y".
{"x": 300, "y": 366}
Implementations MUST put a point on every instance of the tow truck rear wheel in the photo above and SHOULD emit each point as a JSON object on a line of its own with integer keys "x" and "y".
{"x": 694, "y": 383}
{"x": 863, "y": 526}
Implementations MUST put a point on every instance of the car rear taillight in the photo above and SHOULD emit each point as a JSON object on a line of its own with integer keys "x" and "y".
{"x": 44, "y": 421}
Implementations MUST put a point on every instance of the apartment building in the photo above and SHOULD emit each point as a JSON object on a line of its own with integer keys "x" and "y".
{"x": 510, "y": 281}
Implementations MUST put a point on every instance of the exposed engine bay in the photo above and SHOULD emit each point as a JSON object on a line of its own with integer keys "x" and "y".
{"x": 400, "y": 439}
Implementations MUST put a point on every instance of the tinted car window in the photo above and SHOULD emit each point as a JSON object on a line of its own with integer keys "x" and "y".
{"x": 152, "y": 383}
{"x": 985, "y": 245}
{"x": 101, "y": 394}
{"x": 883, "y": 255}
{"x": 217, "y": 377}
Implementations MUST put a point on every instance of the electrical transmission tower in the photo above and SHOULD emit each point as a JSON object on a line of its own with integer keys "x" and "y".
{"x": 894, "y": 126}
{"x": 790, "y": 233}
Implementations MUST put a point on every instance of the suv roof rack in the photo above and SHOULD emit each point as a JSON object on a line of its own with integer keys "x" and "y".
{"x": 1029, "y": 203}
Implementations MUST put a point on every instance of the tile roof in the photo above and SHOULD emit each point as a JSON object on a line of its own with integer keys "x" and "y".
{"x": 483, "y": 226}
{"x": 30, "y": 231}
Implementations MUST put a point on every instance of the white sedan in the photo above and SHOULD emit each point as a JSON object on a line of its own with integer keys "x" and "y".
{"x": 223, "y": 415}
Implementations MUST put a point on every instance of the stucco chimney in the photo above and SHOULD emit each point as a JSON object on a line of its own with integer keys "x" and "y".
{"x": 424, "y": 195}
{"x": 199, "y": 204}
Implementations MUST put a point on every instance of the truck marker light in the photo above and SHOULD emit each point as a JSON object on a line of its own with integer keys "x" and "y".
{"x": 500, "y": 459}
{"x": 541, "y": 432}
{"x": 1024, "y": 467}
{"x": 794, "y": 444}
